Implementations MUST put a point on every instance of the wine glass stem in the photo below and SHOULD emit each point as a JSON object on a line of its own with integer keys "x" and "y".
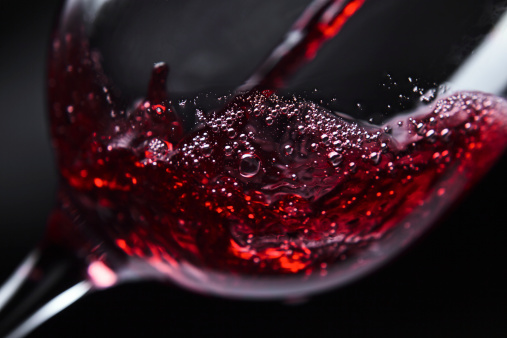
{"x": 48, "y": 280}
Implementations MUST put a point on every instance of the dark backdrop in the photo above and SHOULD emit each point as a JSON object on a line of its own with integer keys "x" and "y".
{"x": 452, "y": 284}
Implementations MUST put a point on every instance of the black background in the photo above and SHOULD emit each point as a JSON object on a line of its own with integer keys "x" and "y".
{"x": 451, "y": 284}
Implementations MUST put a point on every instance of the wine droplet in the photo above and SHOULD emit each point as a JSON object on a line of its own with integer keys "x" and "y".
{"x": 288, "y": 149}
{"x": 335, "y": 158}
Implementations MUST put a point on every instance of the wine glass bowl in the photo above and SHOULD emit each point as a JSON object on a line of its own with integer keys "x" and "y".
{"x": 251, "y": 193}
{"x": 237, "y": 166}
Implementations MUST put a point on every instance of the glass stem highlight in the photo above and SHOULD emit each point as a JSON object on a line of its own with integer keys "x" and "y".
{"x": 46, "y": 282}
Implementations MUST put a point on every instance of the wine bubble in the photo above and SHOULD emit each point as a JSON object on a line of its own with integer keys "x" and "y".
{"x": 249, "y": 165}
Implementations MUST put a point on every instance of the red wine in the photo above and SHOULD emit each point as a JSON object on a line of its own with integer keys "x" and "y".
{"x": 321, "y": 21}
{"x": 267, "y": 185}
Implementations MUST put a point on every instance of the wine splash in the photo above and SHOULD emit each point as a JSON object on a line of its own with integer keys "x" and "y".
{"x": 269, "y": 196}
{"x": 267, "y": 185}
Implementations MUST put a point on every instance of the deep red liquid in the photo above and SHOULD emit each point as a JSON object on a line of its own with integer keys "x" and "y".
{"x": 266, "y": 185}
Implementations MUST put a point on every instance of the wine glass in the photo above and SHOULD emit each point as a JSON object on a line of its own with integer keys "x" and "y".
{"x": 137, "y": 269}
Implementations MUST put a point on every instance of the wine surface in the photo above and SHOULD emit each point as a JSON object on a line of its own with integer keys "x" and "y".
{"x": 266, "y": 185}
